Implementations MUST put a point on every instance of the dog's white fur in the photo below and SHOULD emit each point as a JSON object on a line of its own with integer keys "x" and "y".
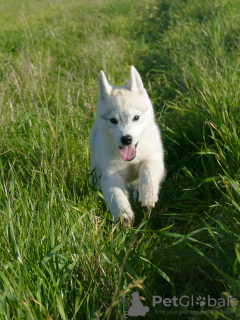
{"x": 109, "y": 168}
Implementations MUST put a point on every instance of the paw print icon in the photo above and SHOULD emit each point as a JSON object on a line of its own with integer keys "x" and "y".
{"x": 200, "y": 301}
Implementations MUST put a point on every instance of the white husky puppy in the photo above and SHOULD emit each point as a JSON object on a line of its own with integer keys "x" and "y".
{"x": 126, "y": 146}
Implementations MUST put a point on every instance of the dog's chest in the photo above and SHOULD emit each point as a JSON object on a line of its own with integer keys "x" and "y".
{"x": 132, "y": 172}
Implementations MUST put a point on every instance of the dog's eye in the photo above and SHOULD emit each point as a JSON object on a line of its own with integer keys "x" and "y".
{"x": 114, "y": 121}
{"x": 136, "y": 118}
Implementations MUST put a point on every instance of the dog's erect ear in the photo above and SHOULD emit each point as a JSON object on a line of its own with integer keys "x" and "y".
{"x": 104, "y": 87}
{"x": 135, "y": 82}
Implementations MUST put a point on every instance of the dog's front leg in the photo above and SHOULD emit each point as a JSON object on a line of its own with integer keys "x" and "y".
{"x": 150, "y": 176}
{"x": 115, "y": 194}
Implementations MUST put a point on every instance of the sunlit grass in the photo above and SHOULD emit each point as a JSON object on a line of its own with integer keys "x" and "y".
{"x": 60, "y": 256}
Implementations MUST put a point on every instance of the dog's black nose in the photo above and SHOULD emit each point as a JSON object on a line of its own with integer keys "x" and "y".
{"x": 126, "y": 140}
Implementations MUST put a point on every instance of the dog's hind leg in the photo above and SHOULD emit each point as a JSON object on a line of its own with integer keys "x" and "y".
{"x": 132, "y": 189}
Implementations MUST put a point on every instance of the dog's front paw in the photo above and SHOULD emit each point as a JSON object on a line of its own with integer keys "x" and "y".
{"x": 127, "y": 219}
{"x": 147, "y": 199}
{"x": 147, "y": 211}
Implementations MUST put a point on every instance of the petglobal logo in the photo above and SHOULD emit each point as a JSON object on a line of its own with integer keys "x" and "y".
{"x": 201, "y": 301}
{"x": 136, "y": 306}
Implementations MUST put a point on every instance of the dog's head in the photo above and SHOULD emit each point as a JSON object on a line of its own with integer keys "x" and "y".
{"x": 124, "y": 112}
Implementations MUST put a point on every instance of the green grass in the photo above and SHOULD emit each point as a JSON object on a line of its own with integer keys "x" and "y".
{"x": 60, "y": 256}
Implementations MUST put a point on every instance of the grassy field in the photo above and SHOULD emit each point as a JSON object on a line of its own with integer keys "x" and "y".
{"x": 60, "y": 256}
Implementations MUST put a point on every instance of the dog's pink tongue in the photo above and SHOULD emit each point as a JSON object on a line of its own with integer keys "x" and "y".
{"x": 127, "y": 153}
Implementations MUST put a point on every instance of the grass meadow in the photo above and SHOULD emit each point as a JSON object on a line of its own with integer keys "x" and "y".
{"x": 60, "y": 255}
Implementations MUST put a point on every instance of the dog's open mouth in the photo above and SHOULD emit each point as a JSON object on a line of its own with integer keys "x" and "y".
{"x": 128, "y": 153}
